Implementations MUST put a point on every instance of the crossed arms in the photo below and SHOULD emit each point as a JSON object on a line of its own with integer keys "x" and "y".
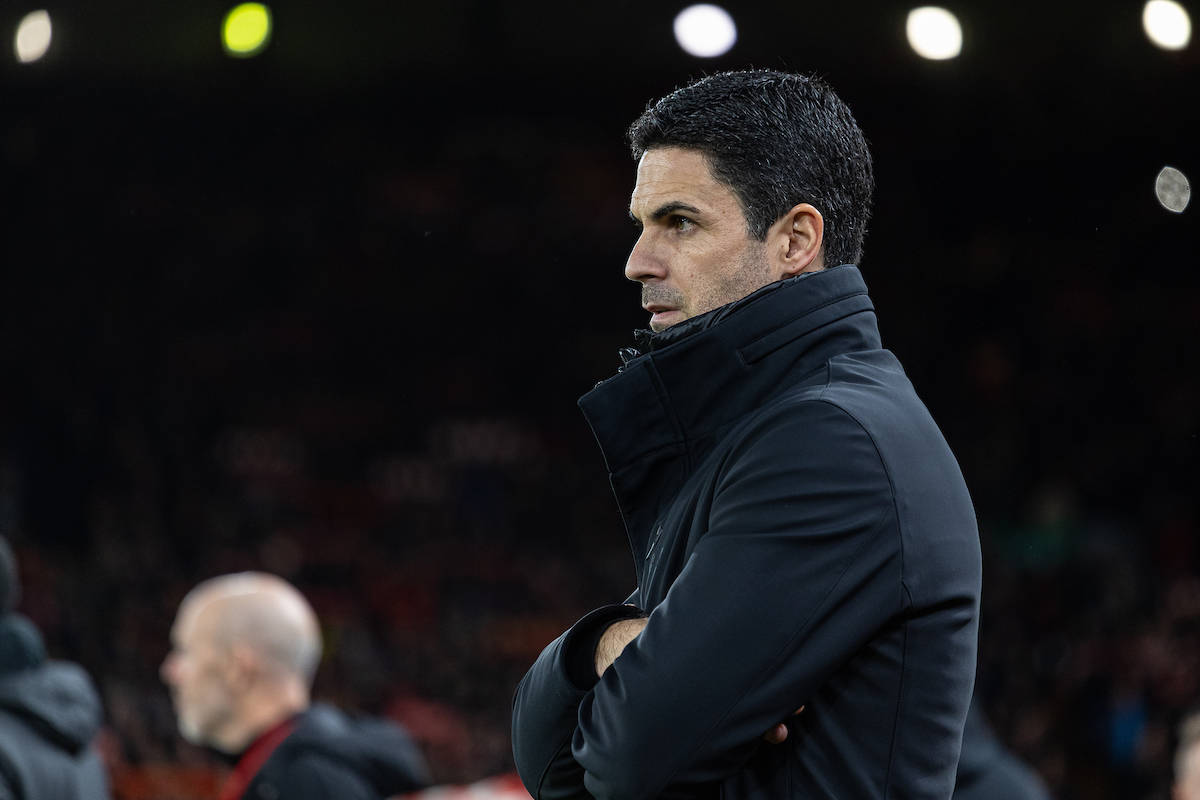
{"x": 798, "y": 568}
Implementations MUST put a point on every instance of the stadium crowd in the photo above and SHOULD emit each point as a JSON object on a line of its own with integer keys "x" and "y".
{"x": 348, "y": 352}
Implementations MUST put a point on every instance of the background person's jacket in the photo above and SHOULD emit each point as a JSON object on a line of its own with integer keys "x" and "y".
{"x": 49, "y": 715}
{"x": 802, "y": 535}
{"x": 988, "y": 771}
{"x": 330, "y": 756}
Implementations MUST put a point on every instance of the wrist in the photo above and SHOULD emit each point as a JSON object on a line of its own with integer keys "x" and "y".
{"x": 579, "y": 645}
{"x": 613, "y": 641}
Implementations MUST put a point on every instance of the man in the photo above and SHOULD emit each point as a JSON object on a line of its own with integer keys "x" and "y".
{"x": 1187, "y": 760}
{"x": 801, "y": 531}
{"x": 49, "y": 712}
{"x": 245, "y": 649}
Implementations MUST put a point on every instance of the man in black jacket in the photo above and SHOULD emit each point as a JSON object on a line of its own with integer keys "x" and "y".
{"x": 801, "y": 531}
{"x": 49, "y": 712}
{"x": 245, "y": 649}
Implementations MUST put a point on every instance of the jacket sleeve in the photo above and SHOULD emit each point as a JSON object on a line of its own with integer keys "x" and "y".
{"x": 546, "y": 708}
{"x": 798, "y": 569}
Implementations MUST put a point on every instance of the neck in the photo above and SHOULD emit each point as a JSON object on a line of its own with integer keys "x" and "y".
{"x": 260, "y": 713}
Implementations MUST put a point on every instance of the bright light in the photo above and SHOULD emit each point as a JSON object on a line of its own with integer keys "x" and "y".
{"x": 33, "y": 37}
{"x": 934, "y": 33}
{"x": 1167, "y": 24}
{"x": 705, "y": 30}
{"x": 246, "y": 30}
{"x": 1172, "y": 189}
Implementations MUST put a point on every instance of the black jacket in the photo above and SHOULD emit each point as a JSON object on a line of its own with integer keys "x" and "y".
{"x": 802, "y": 536}
{"x": 329, "y": 756}
{"x": 49, "y": 715}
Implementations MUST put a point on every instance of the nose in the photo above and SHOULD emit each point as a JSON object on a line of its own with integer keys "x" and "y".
{"x": 644, "y": 264}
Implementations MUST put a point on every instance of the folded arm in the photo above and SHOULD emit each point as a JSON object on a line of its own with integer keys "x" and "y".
{"x": 800, "y": 567}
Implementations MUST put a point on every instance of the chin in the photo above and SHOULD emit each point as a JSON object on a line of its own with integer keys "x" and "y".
{"x": 190, "y": 732}
{"x": 194, "y": 731}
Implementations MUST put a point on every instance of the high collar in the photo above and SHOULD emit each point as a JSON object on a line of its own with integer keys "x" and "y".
{"x": 255, "y": 756}
{"x": 718, "y": 367}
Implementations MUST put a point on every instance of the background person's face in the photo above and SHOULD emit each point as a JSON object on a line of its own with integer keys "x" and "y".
{"x": 1187, "y": 785}
{"x": 694, "y": 253}
{"x": 195, "y": 672}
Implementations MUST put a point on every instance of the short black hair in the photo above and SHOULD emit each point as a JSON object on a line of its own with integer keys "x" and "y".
{"x": 776, "y": 139}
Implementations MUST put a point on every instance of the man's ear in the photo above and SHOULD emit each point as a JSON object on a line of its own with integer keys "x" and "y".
{"x": 242, "y": 667}
{"x": 797, "y": 239}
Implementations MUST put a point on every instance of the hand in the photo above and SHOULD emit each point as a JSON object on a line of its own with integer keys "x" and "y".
{"x": 779, "y": 733}
{"x": 614, "y": 639}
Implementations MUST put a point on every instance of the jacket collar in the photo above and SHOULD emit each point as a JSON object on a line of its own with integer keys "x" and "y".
{"x": 709, "y": 371}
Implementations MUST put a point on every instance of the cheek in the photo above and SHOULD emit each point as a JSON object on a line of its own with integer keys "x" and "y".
{"x": 720, "y": 282}
{"x": 696, "y": 273}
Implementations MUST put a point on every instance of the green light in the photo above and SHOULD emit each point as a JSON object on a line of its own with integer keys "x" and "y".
{"x": 246, "y": 30}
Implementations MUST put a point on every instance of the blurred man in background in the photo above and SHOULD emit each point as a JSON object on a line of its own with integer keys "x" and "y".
{"x": 49, "y": 712}
{"x": 1187, "y": 760}
{"x": 802, "y": 533}
{"x": 245, "y": 648}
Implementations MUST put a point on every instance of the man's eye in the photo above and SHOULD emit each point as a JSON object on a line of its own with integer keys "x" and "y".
{"x": 681, "y": 223}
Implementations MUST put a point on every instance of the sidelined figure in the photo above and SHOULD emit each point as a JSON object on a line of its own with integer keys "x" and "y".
{"x": 245, "y": 648}
{"x": 49, "y": 711}
{"x": 1187, "y": 759}
{"x": 801, "y": 531}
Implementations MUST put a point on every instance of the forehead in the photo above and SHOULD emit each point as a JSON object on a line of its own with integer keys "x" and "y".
{"x": 678, "y": 174}
{"x": 191, "y": 622}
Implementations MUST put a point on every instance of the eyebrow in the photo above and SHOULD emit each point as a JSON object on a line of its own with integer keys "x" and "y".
{"x": 665, "y": 210}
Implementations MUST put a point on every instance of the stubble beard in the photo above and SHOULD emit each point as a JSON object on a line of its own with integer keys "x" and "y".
{"x": 753, "y": 273}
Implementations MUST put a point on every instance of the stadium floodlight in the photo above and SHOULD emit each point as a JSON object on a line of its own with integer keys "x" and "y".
{"x": 246, "y": 30}
{"x": 1172, "y": 189}
{"x": 1167, "y": 24}
{"x": 705, "y": 30}
{"x": 934, "y": 33}
{"x": 33, "y": 37}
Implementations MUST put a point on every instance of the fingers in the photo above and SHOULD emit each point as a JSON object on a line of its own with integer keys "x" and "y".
{"x": 776, "y": 735}
{"x": 779, "y": 733}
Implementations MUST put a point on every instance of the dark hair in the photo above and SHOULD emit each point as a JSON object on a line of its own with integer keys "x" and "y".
{"x": 775, "y": 139}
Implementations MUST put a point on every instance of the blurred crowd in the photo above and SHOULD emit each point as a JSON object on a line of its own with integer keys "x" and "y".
{"x": 345, "y": 347}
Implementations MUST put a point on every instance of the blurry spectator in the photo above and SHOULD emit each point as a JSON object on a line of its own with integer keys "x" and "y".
{"x": 245, "y": 649}
{"x": 987, "y": 771}
{"x": 49, "y": 712}
{"x": 1187, "y": 754}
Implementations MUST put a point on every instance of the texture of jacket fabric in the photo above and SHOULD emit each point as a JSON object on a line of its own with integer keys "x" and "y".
{"x": 802, "y": 536}
{"x": 49, "y": 715}
{"x": 330, "y": 756}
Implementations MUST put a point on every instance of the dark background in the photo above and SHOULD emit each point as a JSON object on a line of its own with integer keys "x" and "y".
{"x": 327, "y": 311}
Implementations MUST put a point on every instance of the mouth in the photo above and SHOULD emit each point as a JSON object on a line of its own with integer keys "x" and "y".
{"x": 660, "y": 315}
